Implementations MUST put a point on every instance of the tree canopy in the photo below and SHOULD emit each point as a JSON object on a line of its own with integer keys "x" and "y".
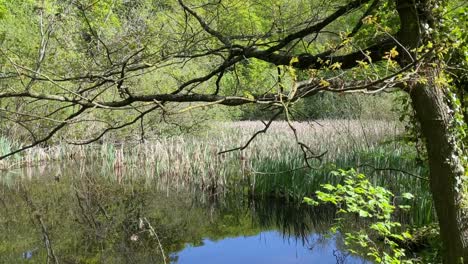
{"x": 111, "y": 63}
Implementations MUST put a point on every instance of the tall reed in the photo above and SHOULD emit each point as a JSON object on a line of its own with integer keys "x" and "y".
{"x": 271, "y": 166}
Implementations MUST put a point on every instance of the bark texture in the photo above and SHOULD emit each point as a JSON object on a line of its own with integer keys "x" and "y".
{"x": 434, "y": 115}
{"x": 446, "y": 171}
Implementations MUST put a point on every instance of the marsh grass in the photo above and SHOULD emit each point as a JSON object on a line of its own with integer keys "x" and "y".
{"x": 195, "y": 159}
{"x": 272, "y": 165}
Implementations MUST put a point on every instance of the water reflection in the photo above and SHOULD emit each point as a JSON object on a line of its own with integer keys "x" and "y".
{"x": 85, "y": 214}
{"x": 267, "y": 247}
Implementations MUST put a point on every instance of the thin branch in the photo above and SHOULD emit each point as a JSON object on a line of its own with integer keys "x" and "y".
{"x": 107, "y": 130}
{"x": 264, "y": 130}
{"x": 393, "y": 169}
{"x": 317, "y": 27}
{"x": 205, "y": 26}
{"x": 47, "y": 137}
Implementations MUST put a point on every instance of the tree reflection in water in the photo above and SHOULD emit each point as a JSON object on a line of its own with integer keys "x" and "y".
{"x": 91, "y": 216}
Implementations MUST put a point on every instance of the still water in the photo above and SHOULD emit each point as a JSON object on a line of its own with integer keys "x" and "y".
{"x": 77, "y": 213}
{"x": 266, "y": 247}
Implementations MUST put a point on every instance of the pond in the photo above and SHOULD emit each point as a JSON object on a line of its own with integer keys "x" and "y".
{"x": 82, "y": 213}
{"x": 267, "y": 247}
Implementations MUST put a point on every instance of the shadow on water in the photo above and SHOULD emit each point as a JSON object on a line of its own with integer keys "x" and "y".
{"x": 71, "y": 213}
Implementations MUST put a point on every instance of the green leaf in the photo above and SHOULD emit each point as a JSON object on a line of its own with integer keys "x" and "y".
{"x": 408, "y": 196}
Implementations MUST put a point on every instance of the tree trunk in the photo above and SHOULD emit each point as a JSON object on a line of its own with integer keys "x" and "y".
{"x": 446, "y": 171}
{"x": 433, "y": 113}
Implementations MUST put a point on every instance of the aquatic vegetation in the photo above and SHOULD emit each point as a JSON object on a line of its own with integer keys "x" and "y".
{"x": 271, "y": 168}
{"x": 199, "y": 153}
{"x": 272, "y": 165}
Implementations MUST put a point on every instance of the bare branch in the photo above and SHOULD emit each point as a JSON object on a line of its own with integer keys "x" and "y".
{"x": 264, "y": 130}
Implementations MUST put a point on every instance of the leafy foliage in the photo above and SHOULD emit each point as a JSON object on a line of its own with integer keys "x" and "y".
{"x": 355, "y": 195}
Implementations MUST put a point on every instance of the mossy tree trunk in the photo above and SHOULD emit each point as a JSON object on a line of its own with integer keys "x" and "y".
{"x": 436, "y": 119}
{"x": 446, "y": 170}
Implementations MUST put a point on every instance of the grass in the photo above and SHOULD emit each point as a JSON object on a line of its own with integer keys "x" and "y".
{"x": 267, "y": 168}
{"x": 195, "y": 158}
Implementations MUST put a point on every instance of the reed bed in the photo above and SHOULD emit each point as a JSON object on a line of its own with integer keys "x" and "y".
{"x": 194, "y": 158}
{"x": 271, "y": 166}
